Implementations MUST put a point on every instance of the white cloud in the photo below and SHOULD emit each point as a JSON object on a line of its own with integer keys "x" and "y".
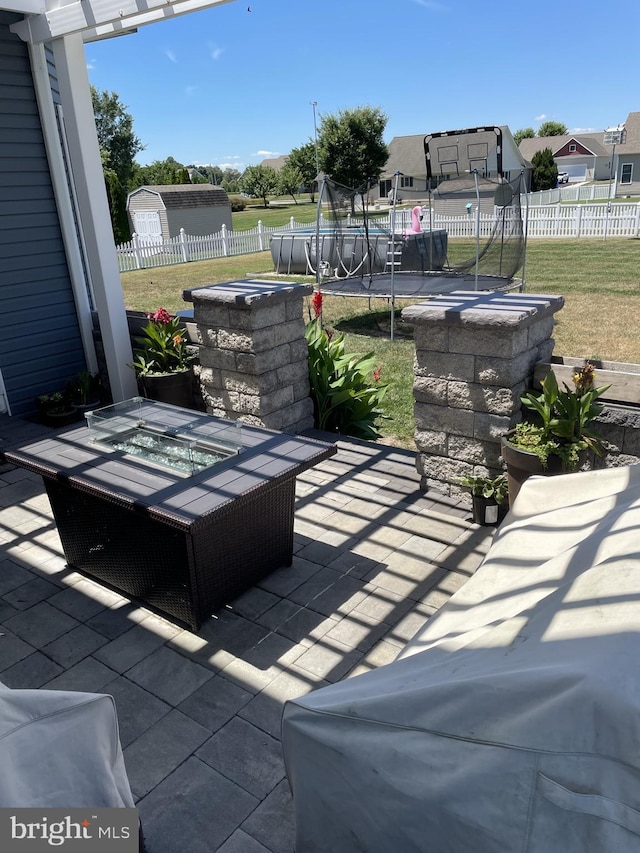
{"x": 215, "y": 52}
{"x": 541, "y": 117}
{"x": 91, "y": 65}
{"x": 171, "y": 56}
{"x": 584, "y": 130}
{"x": 430, "y": 4}
{"x": 266, "y": 154}
{"x": 235, "y": 165}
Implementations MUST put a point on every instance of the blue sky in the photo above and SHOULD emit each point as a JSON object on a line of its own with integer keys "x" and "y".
{"x": 230, "y": 86}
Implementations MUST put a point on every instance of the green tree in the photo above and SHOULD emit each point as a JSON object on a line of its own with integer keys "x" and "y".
{"x": 523, "y": 133}
{"x": 304, "y": 159}
{"x": 259, "y": 181}
{"x": 118, "y": 146}
{"x": 552, "y": 128}
{"x": 351, "y": 148}
{"x": 290, "y": 180}
{"x": 231, "y": 180}
{"x": 545, "y": 171}
{"x": 158, "y": 173}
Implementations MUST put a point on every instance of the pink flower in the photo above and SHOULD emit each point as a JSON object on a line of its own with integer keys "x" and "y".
{"x": 376, "y": 374}
{"x": 317, "y": 303}
{"x": 160, "y": 316}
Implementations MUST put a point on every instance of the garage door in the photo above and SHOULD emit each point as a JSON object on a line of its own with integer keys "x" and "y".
{"x": 147, "y": 225}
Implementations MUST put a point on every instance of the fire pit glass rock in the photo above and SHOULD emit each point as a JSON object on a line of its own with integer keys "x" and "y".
{"x": 165, "y": 435}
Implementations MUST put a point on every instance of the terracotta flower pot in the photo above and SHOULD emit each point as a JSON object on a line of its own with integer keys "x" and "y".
{"x": 174, "y": 388}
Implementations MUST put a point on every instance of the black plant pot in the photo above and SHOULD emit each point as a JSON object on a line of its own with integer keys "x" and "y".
{"x": 60, "y": 416}
{"x": 174, "y": 388}
{"x": 522, "y": 464}
{"x": 487, "y": 511}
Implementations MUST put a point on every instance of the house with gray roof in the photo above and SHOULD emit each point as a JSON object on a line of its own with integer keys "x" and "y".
{"x": 607, "y": 155}
{"x": 158, "y": 213}
{"x": 407, "y": 156}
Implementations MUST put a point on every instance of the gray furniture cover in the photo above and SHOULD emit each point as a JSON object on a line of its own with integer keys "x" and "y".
{"x": 512, "y": 721}
{"x": 60, "y": 749}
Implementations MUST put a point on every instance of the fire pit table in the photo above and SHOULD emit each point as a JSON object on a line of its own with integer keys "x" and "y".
{"x": 178, "y": 510}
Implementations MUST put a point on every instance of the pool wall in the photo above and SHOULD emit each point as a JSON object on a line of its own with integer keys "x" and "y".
{"x": 348, "y": 253}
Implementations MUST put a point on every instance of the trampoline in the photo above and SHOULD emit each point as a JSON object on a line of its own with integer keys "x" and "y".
{"x": 471, "y": 207}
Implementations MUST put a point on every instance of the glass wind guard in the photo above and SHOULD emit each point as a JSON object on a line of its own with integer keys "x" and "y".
{"x": 165, "y": 435}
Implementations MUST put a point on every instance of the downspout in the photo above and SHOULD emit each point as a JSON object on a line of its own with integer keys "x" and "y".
{"x": 74, "y": 252}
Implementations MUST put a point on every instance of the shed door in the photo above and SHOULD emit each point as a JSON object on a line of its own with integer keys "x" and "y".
{"x": 148, "y": 228}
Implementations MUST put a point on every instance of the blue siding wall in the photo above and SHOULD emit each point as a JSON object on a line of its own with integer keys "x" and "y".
{"x": 40, "y": 345}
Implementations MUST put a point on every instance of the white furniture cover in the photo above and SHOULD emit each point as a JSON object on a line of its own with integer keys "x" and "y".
{"x": 60, "y": 749}
{"x": 512, "y": 721}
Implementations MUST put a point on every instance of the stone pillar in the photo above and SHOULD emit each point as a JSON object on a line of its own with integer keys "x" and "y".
{"x": 475, "y": 354}
{"x": 253, "y": 353}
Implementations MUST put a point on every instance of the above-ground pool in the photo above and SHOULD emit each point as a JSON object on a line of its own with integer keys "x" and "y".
{"x": 356, "y": 252}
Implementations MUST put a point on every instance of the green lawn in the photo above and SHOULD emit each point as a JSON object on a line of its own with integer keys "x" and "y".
{"x": 600, "y": 281}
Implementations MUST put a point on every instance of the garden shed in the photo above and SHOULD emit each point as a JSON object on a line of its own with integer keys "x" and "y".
{"x": 158, "y": 213}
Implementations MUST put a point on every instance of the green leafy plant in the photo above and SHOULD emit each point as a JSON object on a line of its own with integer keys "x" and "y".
{"x": 162, "y": 346}
{"x": 563, "y": 418}
{"x": 345, "y": 387}
{"x": 84, "y": 388}
{"x": 488, "y": 487}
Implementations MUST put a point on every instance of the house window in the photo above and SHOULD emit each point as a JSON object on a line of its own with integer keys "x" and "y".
{"x": 406, "y": 181}
{"x": 385, "y": 188}
{"x": 572, "y": 148}
{"x": 626, "y": 173}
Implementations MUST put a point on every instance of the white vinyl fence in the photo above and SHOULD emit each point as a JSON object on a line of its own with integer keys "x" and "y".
{"x": 615, "y": 219}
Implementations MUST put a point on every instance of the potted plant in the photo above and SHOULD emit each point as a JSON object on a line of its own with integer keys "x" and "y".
{"x": 163, "y": 360}
{"x": 84, "y": 391}
{"x": 489, "y": 498}
{"x": 55, "y": 409}
{"x": 559, "y": 438}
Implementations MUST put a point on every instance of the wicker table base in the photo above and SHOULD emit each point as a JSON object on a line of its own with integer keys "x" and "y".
{"x": 184, "y": 575}
{"x": 183, "y": 545}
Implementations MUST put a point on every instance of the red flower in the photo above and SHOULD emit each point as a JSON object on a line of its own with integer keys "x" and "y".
{"x": 376, "y": 374}
{"x": 161, "y": 316}
{"x": 317, "y": 303}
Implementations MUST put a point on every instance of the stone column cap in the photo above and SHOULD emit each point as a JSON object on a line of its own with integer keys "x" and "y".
{"x": 509, "y": 311}
{"x": 247, "y": 293}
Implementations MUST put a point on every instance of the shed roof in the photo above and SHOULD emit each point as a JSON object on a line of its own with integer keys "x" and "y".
{"x": 186, "y": 195}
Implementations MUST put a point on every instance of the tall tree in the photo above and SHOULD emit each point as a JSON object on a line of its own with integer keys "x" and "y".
{"x": 158, "y": 173}
{"x": 351, "y": 148}
{"x": 259, "y": 181}
{"x": 118, "y": 146}
{"x": 290, "y": 180}
{"x": 545, "y": 171}
{"x": 304, "y": 159}
{"x": 523, "y": 133}
{"x": 552, "y": 128}
{"x": 231, "y": 180}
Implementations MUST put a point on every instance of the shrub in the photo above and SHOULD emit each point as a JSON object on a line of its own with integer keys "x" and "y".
{"x": 237, "y": 203}
{"x": 345, "y": 387}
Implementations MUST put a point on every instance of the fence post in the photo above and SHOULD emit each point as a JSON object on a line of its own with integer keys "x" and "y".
{"x": 183, "y": 245}
{"x": 136, "y": 251}
{"x": 292, "y": 223}
{"x": 223, "y": 234}
{"x": 578, "y": 220}
{"x": 260, "y": 235}
{"x": 637, "y": 226}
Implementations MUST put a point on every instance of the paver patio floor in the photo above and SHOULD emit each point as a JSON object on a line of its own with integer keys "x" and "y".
{"x": 199, "y": 713}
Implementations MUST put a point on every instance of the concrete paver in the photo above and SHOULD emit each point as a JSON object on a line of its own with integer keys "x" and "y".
{"x": 200, "y": 713}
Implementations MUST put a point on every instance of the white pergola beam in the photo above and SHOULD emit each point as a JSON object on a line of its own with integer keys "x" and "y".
{"x": 95, "y": 19}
